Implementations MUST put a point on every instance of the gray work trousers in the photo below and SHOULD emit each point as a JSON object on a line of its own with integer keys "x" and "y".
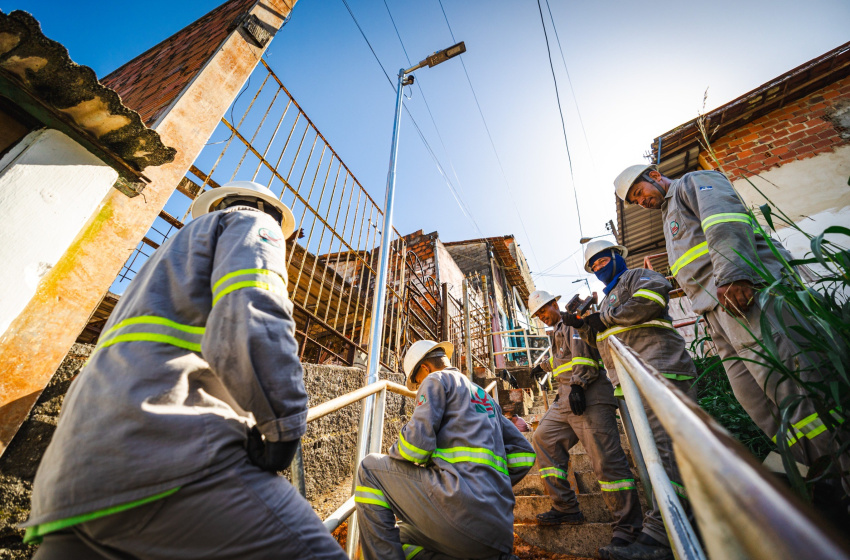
{"x": 759, "y": 390}
{"x": 653, "y": 524}
{"x": 240, "y": 513}
{"x": 422, "y": 532}
{"x": 596, "y": 429}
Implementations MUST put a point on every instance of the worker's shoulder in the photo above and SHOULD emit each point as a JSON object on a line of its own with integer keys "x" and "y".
{"x": 638, "y": 275}
{"x": 448, "y": 378}
{"x": 702, "y": 179}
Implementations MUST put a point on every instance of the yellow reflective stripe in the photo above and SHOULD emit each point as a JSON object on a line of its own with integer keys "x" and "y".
{"x": 248, "y": 284}
{"x": 152, "y": 337}
{"x": 410, "y": 448}
{"x": 562, "y": 369}
{"x": 474, "y": 450}
{"x": 584, "y": 362}
{"x": 243, "y": 272}
{"x": 360, "y": 500}
{"x": 654, "y": 296}
{"x": 552, "y": 361}
{"x": 574, "y": 362}
{"x": 153, "y": 320}
{"x": 521, "y": 460}
{"x": 411, "y": 550}
{"x": 690, "y": 256}
{"x": 811, "y": 426}
{"x": 617, "y": 330}
{"x": 618, "y": 485}
{"x": 369, "y": 490}
{"x": 677, "y": 376}
{"x": 715, "y": 219}
{"x": 553, "y": 471}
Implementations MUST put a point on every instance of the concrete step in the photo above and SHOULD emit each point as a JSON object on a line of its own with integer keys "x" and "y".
{"x": 592, "y": 506}
{"x": 577, "y": 540}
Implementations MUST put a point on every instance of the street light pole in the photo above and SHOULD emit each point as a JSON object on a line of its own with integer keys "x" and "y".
{"x": 365, "y": 444}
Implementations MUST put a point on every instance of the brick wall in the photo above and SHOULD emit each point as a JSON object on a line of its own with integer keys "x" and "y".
{"x": 800, "y": 130}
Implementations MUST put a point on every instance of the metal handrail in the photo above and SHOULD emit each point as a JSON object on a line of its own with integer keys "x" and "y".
{"x": 343, "y": 512}
{"x": 742, "y": 511}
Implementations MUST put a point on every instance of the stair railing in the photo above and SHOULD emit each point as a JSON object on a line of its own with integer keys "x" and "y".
{"x": 373, "y": 440}
{"x": 742, "y": 512}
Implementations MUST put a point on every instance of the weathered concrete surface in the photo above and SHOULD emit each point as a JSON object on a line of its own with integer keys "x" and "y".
{"x": 592, "y": 506}
{"x": 328, "y": 444}
{"x": 579, "y": 540}
{"x": 36, "y": 342}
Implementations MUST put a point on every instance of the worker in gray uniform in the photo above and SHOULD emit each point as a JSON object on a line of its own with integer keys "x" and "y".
{"x": 635, "y": 310}
{"x": 710, "y": 239}
{"x": 584, "y": 411}
{"x": 169, "y": 439}
{"x": 448, "y": 477}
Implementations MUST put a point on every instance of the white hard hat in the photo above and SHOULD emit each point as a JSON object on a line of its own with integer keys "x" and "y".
{"x": 416, "y": 352}
{"x": 538, "y": 299}
{"x": 627, "y": 178}
{"x": 597, "y": 246}
{"x": 212, "y": 197}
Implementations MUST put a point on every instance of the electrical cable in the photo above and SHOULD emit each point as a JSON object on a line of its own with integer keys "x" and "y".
{"x": 490, "y": 136}
{"x": 561, "y": 113}
{"x": 457, "y": 195}
{"x": 409, "y": 114}
{"x": 570, "y": 82}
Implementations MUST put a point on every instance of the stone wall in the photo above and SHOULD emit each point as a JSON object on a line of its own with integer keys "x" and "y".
{"x": 328, "y": 444}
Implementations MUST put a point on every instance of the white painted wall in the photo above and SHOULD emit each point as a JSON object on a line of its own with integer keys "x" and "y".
{"x": 49, "y": 187}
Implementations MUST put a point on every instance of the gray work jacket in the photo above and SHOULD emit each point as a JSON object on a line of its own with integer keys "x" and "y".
{"x": 636, "y": 312}
{"x": 710, "y": 237}
{"x": 200, "y": 347}
{"x": 477, "y": 454}
{"x": 580, "y": 364}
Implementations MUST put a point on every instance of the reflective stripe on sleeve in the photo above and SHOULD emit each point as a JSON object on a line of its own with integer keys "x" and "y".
{"x": 618, "y": 485}
{"x": 411, "y": 550}
{"x": 477, "y": 455}
{"x": 715, "y": 219}
{"x": 150, "y": 328}
{"x": 366, "y": 495}
{"x": 411, "y": 452}
{"x": 654, "y": 296}
{"x": 553, "y": 471}
{"x": 248, "y": 278}
{"x": 662, "y": 323}
{"x": 521, "y": 460}
{"x": 690, "y": 256}
{"x": 575, "y": 362}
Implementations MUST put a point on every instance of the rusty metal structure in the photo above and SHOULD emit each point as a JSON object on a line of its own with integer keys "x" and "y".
{"x": 267, "y": 137}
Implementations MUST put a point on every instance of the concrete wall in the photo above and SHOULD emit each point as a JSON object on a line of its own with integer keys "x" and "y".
{"x": 49, "y": 187}
{"x": 328, "y": 444}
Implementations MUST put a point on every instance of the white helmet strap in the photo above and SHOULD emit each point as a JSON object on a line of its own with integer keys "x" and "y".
{"x": 250, "y": 201}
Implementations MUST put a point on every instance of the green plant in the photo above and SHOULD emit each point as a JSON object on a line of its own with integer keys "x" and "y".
{"x": 816, "y": 315}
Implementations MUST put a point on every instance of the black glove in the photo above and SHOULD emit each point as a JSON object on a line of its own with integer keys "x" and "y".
{"x": 538, "y": 372}
{"x": 572, "y": 320}
{"x": 272, "y": 456}
{"x": 595, "y": 322}
{"x": 578, "y": 403}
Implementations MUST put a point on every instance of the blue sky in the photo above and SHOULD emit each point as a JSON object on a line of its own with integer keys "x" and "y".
{"x": 638, "y": 69}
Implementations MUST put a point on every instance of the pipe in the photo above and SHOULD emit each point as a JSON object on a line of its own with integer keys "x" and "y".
{"x": 342, "y": 513}
{"x": 637, "y": 454}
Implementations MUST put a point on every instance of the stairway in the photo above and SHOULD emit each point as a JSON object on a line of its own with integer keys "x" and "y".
{"x": 531, "y": 499}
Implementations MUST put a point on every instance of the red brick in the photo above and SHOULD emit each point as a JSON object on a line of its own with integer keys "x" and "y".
{"x": 761, "y": 149}
{"x": 750, "y": 137}
{"x": 770, "y": 161}
{"x": 830, "y": 94}
{"x": 825, "y": 143}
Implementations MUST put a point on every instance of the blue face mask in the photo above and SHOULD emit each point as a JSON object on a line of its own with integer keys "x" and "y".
{"x": 611, "y": 272}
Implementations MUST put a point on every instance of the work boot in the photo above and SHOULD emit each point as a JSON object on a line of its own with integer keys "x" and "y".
{"x": 615, "y": 544}
{"x": 644, "y": 548}
{"x": 555, "y": 517}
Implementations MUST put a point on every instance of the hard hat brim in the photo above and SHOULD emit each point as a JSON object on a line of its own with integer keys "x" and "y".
{"x": 212, "y": 197}
{"x": 624, "y": 252}
{"x": 544, "y": 304}
{"x": 447, "y": 347}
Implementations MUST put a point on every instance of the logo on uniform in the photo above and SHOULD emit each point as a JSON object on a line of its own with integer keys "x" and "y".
{"x": 674, "y": 227}
{"x": 706, "y": 188}
{"x": 612, "y": 301}
{"x": 270, "y": 236}
{"x": 421, "y": 400}
{"x": 576, "y": 336}
{"x": 482, "y": 402}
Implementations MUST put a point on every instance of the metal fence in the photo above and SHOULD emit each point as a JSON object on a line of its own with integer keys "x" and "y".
{"x": 467, "y": 325}
{"x": 267, "y": 137}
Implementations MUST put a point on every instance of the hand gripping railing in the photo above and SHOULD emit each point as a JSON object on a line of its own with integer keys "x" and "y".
{"x": 742, "y": 512}
{"x": 376, "y": 430}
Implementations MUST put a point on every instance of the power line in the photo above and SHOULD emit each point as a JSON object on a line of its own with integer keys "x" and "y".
{"x": 570, "y": 83}
{"x": 490, "y": 136}
{"x": 457, "y": 195}
{"x": 561, "y": 113}
{"x": 409, "y": 114}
